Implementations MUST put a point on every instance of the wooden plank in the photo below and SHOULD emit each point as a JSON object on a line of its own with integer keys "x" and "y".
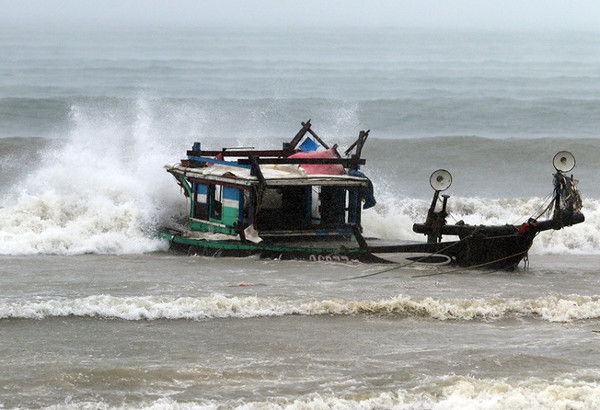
{"x": 305, "y": 127}
{"x": 242, "y": 153}
{"x": 217, "y": 161}
{"x": 346, "y": 162}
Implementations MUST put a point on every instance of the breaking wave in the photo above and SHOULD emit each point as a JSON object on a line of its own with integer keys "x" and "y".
{"x": 445, "y": 392}
{"x": 103, "y": 190}
{"x": 550, "y": 308}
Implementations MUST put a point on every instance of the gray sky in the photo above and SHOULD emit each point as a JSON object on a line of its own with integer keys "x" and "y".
{"x": 513, "y": 14}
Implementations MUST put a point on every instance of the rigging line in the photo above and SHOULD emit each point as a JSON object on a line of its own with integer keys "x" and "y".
{"x": 549, "y": 206}
{"x": 399, "y": 266}
{"x": 471, "y": 267}
{"x": 451, "y": 215}
{"x": 541, "y": 213}
{"x": 550, "y": 199}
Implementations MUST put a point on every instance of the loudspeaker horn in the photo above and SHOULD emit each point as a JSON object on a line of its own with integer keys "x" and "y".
{"x": 440, "y": 180}
{"x": 564, "y": 161}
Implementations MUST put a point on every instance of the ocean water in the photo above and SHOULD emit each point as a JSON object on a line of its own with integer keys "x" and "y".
{"x": 96, "y": 313}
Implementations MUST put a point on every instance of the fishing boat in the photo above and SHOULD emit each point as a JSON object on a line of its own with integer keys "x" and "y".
{"x": 304, "y": 201}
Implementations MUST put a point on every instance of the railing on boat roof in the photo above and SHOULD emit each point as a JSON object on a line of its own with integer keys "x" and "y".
{"x": 249, "y": 158}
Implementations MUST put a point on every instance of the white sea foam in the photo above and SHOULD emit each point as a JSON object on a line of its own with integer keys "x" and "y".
{"x": 441, "y": 393}
{"x": 549, "y": 308}
{"x": 104, "y": 191}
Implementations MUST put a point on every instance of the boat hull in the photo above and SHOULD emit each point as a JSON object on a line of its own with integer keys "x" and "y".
{"x": 501, "y": 252}
{"x": 316, "y": 252}
{"x": 504, "y": 252}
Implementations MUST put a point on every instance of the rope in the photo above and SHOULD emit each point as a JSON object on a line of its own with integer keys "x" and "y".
{"x": 471, "y": 267}
{"x": 399, "y": 266}
{"x": 549, "y": 206}
{"x": 550, "y": 203}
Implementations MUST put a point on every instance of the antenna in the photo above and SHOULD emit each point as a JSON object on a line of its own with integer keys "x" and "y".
{"x": 440, "y": 180}
{"x": 564, "y": 161}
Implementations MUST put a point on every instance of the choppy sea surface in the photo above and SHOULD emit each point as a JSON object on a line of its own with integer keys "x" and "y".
{"x": 96, "y": 313}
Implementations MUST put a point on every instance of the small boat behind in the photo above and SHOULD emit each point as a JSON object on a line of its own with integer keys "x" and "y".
{"x": 305, "y": 201}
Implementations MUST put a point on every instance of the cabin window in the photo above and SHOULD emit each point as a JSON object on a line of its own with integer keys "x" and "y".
{"x": 215, "y": 198}
{"x": 287, "y": 207}
{"x": 306, "y": 207}
{"x": 200, "y": 209}
{"x": 354, "y": 205}
{"x": 332, "y": 205}
{"x": 219, "y": 204}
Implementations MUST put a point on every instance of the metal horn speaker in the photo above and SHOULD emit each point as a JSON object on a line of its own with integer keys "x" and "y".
{"x": 440, "y": 180}
{"x": 564, "y": 161}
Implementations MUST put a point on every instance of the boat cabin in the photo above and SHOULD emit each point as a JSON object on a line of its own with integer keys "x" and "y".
{"x": 304, "y": 189}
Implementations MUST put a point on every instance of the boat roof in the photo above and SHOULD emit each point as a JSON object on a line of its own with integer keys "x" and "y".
{"x": 306, "y": 160}
{"x": 273, "y": 175}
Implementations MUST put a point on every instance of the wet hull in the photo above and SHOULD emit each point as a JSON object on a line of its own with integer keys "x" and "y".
{"x": 504, "y": 252}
